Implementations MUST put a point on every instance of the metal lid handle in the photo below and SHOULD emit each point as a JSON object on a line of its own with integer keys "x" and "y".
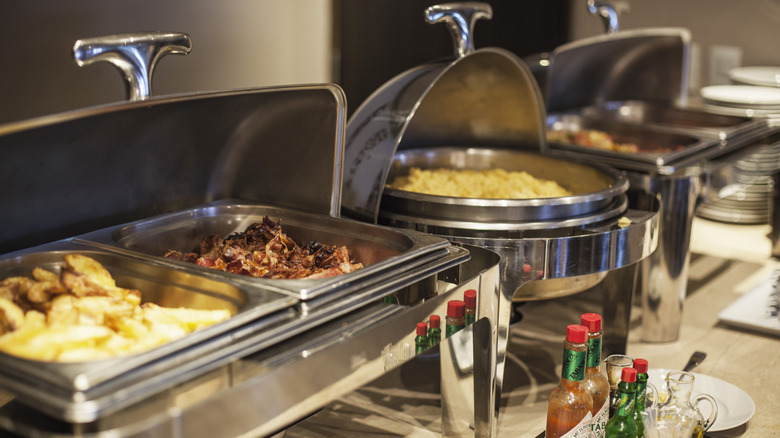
{"x": 460, "y": 19}
{"x": 134, "y": 54}
{"x": 608, "y": 14}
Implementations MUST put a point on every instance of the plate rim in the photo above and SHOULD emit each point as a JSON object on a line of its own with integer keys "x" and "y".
{"x": 737, "y": 74}
{"x": 720, "y": 382}
{"x": 715, "y": 93}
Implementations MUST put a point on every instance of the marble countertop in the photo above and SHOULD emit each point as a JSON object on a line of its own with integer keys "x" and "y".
{"x": 727, "y": 261}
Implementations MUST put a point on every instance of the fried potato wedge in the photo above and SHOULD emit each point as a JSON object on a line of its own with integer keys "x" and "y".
{"x": 83, "y": 315}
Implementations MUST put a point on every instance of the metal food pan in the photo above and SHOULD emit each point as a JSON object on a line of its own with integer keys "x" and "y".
{"x": 673, "y": 119}
{"x": 593, "y": 187}
{"x": 157, "y": 284}
{"x": 378, "y": 248}
{"x": 655, "y": 146}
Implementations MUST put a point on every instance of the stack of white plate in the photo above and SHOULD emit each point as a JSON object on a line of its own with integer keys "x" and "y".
{"x": 749, "y": 199}
{"x": 755, "y": 93}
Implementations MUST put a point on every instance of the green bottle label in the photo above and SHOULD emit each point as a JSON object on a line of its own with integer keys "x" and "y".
{"x": 434, "y": 336}
{"x": 625, "y": 404}
{"x": 641, "y": 394}
{"x": 451, "y": 329}
{"x": 420, "y": 344}
{"x": 573, "y": 364}
{"x": 594, "y": 352}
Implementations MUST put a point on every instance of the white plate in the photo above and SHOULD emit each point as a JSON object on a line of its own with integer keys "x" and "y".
{"x": 750, "y": 310}
{"x": 735, "y": 407}
{"x": 746, "y": 95}
{"x": 759, "y": 75}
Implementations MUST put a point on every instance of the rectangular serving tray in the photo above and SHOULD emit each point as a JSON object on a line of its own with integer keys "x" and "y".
{"x": 157, "y": 283}
{"x": 381, "y": 250}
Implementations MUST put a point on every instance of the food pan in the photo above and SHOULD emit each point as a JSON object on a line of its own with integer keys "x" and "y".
{"x": 158, "y": 284}
{"x": 379, "y": 249}
{"x": 593, "y": 187}
{"x": 655, "y": 146}
{"x": 150, "y": 381}
{"x": 674, "y": 119}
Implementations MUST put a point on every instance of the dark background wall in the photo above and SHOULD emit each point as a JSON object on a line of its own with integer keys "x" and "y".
{"x": 378, "y": 39}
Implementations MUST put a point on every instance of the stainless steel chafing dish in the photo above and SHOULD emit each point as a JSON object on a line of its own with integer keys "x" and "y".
{"x": 633, "y": 85}
{"x": 480, "y": 110}
{"x": 124, "y": 182}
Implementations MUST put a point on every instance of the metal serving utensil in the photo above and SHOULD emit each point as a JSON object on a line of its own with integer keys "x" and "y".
{"x": 696, "y": 358}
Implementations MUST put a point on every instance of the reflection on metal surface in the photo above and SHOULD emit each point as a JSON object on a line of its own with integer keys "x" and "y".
{"x": 639, "y": 64}
{"x": 355, "y": 348}
{"x": 135, "y": 55}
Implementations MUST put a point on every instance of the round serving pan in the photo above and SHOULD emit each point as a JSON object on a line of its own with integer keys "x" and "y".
{"x": 595, "y": 188}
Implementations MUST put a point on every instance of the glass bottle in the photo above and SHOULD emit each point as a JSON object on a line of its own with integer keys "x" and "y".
{"x": 456, "y": 317}
{"x": 641, "y": 395}
{"x": 570, "y": 404}
{"x": 421, "y": 340}
{"x": 596, "y": 382}
{"x": 470, "y": 298}
{"x": 680, "y": 410}
{"x": 434, "y": 330}
{"x": 622, "y": 425}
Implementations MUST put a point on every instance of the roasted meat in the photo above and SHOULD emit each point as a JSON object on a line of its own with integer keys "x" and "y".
{"x": 264, "y": 250}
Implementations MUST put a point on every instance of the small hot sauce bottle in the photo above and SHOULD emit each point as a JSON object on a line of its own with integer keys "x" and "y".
{"x": 570, "y": 404}
{"x": 421, "y": 340}
{"x": 456, "y": 317}
{"x": 622, "y": 424}
{"x": 641, "y": 395}
{"x": 434, "y": 331}
{"x": 595, "y": 382}
{"x": 470, "y": 298}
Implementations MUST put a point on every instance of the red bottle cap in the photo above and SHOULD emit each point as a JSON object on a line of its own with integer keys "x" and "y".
{"x": 640, "y": 365}
{"x": 435, "y": 321}
{"x": 422, "y": 328}
{"x": 592, "y": 321}
{"x": 456, "y": 309}
{"x": 577, "y": 334}
{"x": 470, "y": 298}
{"x": 628, "y": 375}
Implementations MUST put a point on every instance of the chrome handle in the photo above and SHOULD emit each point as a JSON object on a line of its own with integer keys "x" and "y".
{"x": 460, "y": 19}
{"x": 134, "y": 54}
{"x": 608, "y": 14}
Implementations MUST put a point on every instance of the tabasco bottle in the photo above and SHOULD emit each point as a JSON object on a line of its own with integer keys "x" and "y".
{"x": 641, "y": 395}
{"x": 421, "y": 340}
{"x": 622, "y": 424}
{"x": 570, "y": 404}
{"x": 470, "y": 298}
{"x": 595, "y": 382}
{"x": 456, "y": 317}
{"x": 434, "y": 330}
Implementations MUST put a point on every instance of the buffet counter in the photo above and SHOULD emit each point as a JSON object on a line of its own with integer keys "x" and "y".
{"x": 728, "y": 261}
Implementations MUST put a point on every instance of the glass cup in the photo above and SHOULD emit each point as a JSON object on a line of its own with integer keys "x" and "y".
{"x": 615, "y": 364}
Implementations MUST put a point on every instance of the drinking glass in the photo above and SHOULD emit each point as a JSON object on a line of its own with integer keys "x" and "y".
{"x": 615, "y": 364}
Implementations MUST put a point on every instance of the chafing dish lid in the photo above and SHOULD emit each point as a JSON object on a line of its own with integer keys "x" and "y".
{"x": 482, "y": 98}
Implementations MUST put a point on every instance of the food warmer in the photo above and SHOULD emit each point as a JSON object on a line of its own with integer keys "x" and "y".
{"x": 124, "y": 182}
{"x": 632, "y": 85}
{"x": 483, "y": 110}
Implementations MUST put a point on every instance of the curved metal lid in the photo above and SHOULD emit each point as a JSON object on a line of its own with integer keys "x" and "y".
{"x": 482, "y": 98}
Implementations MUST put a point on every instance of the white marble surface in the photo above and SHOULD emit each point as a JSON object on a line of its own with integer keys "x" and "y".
{"x": 728, "y": 260}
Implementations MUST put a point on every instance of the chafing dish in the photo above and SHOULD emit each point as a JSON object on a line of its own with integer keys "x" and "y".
{"x": 483, "y": 109}
{"x": 125, "y": 180}
{"x": 634, "y": 84}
